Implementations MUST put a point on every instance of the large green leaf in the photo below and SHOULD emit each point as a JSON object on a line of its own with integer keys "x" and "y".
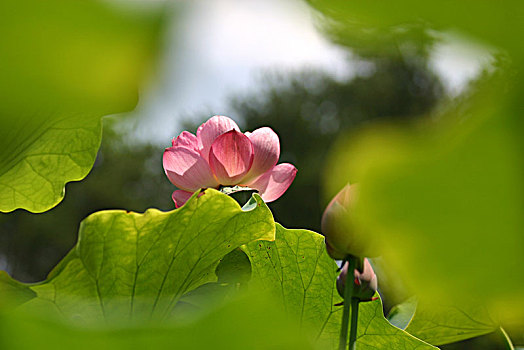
{"x": 244, "y": 323}
{"x": 139, "y": 266}
{"x": 13, "y": 293}
{"x": 442, "y": 324}
{"x": 64, "y": 64}
{"x": 448, "y": 324}
{"x": 129, "y": 266}
{"x": 39, "y": 156}
{"x": 296, "y": 268}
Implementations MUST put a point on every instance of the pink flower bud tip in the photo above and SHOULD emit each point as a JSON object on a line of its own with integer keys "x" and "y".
{"x": 342, "y": 239}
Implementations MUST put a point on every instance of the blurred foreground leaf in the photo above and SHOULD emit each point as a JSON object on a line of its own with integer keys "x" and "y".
{"x": 444, "y": 203}
{"x": 64, "y": 64}
{"x": 129, "y": 266}
{"x": 246, "y": 323}
{"x": 296, "y": 268}
{"x": 495, "y": 24}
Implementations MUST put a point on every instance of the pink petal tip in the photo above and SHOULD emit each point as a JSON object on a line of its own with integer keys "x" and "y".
{"x": 187, "y": 140}
{"x": 210, "y": 130}
{"x": 275, "y": 182}
{"x": 266, "y": 150}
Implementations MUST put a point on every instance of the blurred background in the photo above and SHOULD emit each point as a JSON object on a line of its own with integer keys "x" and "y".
{"x": 263, "y": 63}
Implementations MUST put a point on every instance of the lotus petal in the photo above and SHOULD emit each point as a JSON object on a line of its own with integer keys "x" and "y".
{"x": 275, "y": 182}
{"x": 231, "y": 157}
{"x": 210, "y": 130}
{"x": 180, "y": 197}
{"x": 266, "y": 149}
{"x": 187, "y": 140}
{"x": 187, "y": 169}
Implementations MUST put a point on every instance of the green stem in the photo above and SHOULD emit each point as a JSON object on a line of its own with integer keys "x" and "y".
{"x": 348, "y": 293}
{"x": 354, "y": 323}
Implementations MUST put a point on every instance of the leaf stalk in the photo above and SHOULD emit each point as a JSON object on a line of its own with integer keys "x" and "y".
{"x": 348, "y": 295}
{"x": 354, "y": 323}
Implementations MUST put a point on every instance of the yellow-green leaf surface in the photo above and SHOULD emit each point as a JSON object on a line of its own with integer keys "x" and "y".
{"x": 40, "y": 155}
{"x": 442, "y": 324}
{"x": 129, "y": 266}
{"x": 448, "y": 324}
{"x": 13, "y": 293}
{"x": 296, "y": 269}
{"x": 64, "y": 65}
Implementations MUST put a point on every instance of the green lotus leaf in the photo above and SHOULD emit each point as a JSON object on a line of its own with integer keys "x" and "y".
{"x": 129, "y": 266}
{"x": 297, "y": 270}
{"x": 448, "y": 324}
{"x": 64, "y": 65}
{"x": 13, "y": 293}
{"x": 442, "y": 324}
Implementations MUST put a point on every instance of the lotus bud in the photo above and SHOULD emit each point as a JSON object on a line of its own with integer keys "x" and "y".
{"x": 366, "y": 283}
{"x": 333, "y": 253}
{"x": 341, "y": 238}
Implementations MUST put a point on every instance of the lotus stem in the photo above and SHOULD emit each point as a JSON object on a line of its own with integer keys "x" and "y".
{"x": 354, "y": 323}
{"x": 348, "y": 295}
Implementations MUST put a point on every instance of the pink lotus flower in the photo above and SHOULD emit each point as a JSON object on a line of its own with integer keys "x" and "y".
{"x": 221, "y": 155}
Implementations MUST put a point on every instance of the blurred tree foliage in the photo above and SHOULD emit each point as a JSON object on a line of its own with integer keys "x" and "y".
{"x": 308, "y": 110}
